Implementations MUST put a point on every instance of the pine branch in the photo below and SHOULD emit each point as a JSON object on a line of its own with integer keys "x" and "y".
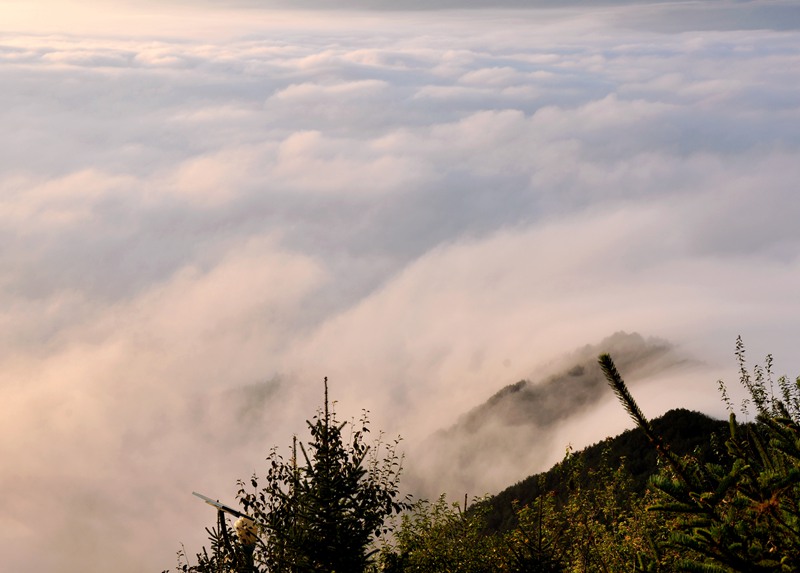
{"x": 621, "y": 390}
{"x": 623, "y": 394}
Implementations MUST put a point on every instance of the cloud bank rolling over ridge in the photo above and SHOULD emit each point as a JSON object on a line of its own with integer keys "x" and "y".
{"x": 425, "y": 208}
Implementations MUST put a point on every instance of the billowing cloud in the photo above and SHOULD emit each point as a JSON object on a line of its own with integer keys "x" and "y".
{"x": 205, "y": 210}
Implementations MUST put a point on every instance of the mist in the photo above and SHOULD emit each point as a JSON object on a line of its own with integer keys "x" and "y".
{"x": 206, "y": 209}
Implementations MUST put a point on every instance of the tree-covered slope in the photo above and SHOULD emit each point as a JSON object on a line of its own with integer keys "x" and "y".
{"x": 683, "y": 430}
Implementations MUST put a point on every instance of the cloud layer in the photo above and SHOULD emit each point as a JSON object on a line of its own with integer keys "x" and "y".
{"x": 205, "y": 211}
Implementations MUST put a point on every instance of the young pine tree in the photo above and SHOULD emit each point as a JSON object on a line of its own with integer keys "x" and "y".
{"x": 742, "y": 513}
{"x": 320, "y": 510}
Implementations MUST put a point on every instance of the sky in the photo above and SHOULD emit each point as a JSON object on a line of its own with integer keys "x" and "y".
{"x": 205, "y": 208}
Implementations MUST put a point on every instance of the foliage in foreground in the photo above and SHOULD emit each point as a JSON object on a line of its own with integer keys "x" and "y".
{"x": 737, "y": 510}
{"x": 600, "y": 527}
{"x": 741, "y": 513}
{"x": 318, "y": 511}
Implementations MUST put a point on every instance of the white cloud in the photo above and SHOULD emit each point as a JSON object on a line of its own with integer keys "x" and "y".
{"x": 106, "y": 413}
{"x": 502, "y": 297}
{"x": 202, "y": 204}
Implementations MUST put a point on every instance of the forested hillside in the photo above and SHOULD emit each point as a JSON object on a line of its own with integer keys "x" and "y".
{"x": 686, "y": 432}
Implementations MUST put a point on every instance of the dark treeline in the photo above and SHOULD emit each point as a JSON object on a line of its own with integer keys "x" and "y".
{"x": 686, "y": 431}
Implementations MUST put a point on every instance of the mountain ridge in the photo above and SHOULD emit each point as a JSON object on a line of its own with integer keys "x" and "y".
{"x": 509, "y": 434}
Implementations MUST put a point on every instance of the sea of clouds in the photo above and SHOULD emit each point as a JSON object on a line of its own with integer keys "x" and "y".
{"x": 205, "y": 210}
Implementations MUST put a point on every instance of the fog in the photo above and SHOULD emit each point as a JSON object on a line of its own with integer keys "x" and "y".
{"x": 207, "y": 208}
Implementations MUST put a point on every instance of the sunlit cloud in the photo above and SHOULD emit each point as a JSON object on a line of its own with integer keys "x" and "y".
{"x": 205, "y": 209}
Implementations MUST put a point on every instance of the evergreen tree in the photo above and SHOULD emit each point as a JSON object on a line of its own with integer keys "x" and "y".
{"x": 741, "y": 514}
{"x": 320, "y": 510}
